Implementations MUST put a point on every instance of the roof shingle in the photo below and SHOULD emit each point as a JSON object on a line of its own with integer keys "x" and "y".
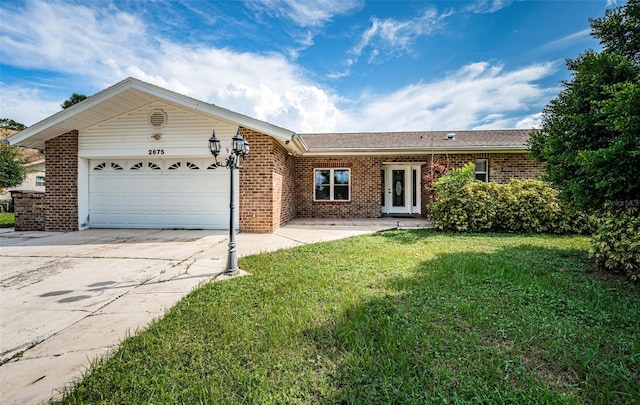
{"x": 438, "y": 140}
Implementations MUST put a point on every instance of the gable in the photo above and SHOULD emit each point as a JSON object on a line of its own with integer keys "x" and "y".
{"x": 180, "y": 132}
{"x": 123, "y": 97}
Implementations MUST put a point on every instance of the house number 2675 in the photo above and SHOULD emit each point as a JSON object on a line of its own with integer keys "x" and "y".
{"x": 156, "y": 151}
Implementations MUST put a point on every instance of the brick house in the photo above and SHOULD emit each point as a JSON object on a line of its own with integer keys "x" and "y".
{"x": 135, "y": 156}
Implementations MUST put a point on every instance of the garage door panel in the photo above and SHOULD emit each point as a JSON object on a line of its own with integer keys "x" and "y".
{"x": 116, "y": 219}
{"x": 145, "y": 198}
{"x": 100, "y": 201}
{"x": 99, "y": 183}
{"x": 139, "y": 184}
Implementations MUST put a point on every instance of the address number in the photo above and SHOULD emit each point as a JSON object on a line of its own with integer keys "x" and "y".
{"x": 156, "y": 151}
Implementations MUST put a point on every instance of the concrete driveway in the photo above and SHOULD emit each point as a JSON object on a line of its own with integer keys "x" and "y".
{"x": 69, "y": 298}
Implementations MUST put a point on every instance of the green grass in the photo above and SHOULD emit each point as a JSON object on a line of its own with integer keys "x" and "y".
{"x": 396, "y": 317}
{"x": 7, "y": 219}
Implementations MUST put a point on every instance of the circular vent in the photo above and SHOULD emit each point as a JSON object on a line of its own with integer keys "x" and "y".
{"x": 157, "y": 118}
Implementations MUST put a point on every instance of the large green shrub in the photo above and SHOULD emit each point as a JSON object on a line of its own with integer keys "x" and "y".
{"x": 464, "y": 204}
{"x": 616, "y": 244}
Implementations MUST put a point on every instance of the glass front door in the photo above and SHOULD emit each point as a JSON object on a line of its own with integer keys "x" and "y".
{"x": 400, "y": 189}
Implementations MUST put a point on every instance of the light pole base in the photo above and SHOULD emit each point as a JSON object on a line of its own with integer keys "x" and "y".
{"x": 231, "y": 272}
{"x": 224, "y": 276}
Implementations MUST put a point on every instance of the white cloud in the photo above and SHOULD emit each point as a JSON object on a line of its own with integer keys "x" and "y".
{"x": 71, "y": 38}
{"x": 107, "y": 47}
{"x": 565, "y": 42}
{"x": 388, "y": 37}
{"x": 26, "y": 105}
{"x": 307, "y": 13}
{"x": 488, "y": 6}
{"x": 531, "y": 121}
{"x": 101, "y": 48}
{"x": 479, "y": 95}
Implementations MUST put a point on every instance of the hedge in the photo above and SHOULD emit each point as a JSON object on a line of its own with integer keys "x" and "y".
{"x": 616, "y": 244}
{"x": 531, "y": 206}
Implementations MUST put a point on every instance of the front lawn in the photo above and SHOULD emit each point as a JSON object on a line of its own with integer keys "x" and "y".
{"x": 395, "y": 317}
{"x": 7, "y": 219}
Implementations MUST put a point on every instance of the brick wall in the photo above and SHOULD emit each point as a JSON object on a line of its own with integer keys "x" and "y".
{"x": 366, "y": 180}
{"x": 502, "y": 166}
{"x": 284, "y": 202}
{"x": 365, "y": 190}
{"x": 267, "y": 188}
{"x": 61, "y": 195}
{"x": 507, "y": 166}
{"x": 29, "y": 209}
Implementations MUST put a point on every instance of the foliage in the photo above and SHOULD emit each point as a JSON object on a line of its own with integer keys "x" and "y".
{"x": 12, "y": 166}
{"x": 437, "y": 170}
{"x": 618, "y": 30}
{"x": 589, "y": 136}
{"x": 466, "y": 205}
{"x": 7, "y": 123}
{"x": 7, "y": 219}
{"x": 399, "y": 317}
{"x": 457, "y": 177}
{"x": 74, "y": 99}
{"x": 616, "y": 245}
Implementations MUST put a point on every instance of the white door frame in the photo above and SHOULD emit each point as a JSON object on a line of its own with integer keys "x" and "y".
{"x": 409, "y": 187}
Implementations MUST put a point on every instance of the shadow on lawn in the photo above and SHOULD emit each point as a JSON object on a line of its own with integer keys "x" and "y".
{"x": 520, "y": 325}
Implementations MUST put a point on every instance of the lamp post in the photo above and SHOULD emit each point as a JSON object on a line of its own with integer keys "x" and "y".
{"x": 239, "y": 152}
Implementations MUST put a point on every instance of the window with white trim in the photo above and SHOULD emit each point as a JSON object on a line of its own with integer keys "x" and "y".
{"x": 332, "y": 184}
{"x": 39, "y": 181}
{"x": 482, "y": 170}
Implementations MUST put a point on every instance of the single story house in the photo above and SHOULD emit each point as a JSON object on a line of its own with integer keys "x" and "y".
{"x": 135, "y": 155}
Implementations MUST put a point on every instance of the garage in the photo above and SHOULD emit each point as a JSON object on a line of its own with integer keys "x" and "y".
{"x": 136, "y": 155}
{"x": 158, "y": 193}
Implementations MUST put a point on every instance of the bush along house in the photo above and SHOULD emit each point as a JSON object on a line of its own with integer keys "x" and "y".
{"x": 135, "y": 156}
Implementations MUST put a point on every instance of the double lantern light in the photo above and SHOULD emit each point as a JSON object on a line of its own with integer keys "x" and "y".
{"x": 236, "y": 159}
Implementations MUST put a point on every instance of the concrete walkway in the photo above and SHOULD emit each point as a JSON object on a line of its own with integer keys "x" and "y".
{"x": 70, "y": 298}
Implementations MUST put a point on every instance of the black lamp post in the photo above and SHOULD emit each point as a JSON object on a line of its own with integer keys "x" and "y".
{"x": 239, "y": 152}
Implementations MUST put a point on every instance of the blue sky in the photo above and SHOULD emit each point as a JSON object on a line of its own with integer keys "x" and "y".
{"x": 309, "y": 65}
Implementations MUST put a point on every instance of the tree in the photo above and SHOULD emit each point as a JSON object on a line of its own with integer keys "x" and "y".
{"x": 12, "y": 158}
{"x": 6, "y": 123}
{"x": 618, "y": 30}
{"x": 74, "y": 99}
{"x": 12, "y": 166}
{"x": 589, "y": 136}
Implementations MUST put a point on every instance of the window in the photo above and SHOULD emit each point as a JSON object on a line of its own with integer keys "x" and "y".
{"x": 332, "y": 184}
{"x": 482, "y": 170}
{"x": 414, "y": 186}
{"x": 382, "y": 204}
{"x": 39, "y": 181}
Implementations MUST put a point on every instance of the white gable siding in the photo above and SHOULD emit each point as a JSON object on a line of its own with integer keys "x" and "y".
{"x": 185, "y": 134}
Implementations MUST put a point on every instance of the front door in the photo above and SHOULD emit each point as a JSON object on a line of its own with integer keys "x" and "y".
{"x": 400, "y": 185}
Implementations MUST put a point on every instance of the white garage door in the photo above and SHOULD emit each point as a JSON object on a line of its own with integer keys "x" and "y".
{"x": 159, "y": 193}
